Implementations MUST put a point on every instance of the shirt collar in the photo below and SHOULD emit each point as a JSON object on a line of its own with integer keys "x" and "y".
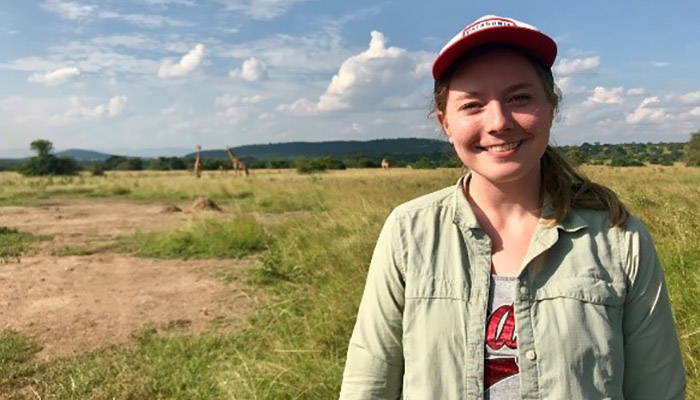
{"x": 465, "y": 218}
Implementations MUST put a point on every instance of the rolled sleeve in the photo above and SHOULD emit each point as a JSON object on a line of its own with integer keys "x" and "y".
{"x": 653, "y": 360}
{"x": 374, "y": 366}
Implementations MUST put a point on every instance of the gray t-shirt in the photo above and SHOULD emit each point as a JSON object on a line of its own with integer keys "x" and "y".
{"x": 501, "y": 371}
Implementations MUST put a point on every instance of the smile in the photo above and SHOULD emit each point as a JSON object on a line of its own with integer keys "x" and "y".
{"x": 502, "y": 147}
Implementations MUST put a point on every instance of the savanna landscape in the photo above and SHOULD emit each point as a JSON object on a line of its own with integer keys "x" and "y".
{"x": 131, "y": 286}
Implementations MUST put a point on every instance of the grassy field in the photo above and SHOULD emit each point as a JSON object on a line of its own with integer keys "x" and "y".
{"x": 312, "y": 237}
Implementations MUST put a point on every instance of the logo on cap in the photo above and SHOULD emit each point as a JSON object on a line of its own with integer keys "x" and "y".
{"x": 485, "y": 24}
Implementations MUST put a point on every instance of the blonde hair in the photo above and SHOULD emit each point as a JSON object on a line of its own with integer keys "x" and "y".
{"x": 567, "y": 187}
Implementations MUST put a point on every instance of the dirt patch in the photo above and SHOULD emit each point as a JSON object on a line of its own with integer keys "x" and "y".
{"x": 74, "y": 304}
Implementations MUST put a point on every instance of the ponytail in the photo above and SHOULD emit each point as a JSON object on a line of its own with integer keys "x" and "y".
{"x": 570, "y": 189}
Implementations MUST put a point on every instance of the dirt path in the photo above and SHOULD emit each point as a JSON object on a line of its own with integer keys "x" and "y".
{"x": 73, "y": 304}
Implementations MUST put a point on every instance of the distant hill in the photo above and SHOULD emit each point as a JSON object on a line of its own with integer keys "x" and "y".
{"x": 371, "y": 148}
{"x": 10, "y": 163}
{"x": 83, "y": 155}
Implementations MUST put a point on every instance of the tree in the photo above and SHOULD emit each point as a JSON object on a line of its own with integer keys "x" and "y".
{"x": 424, "y": 163}
{"x": 46, "y": 163}
{"x": 307, "y": 165}
{"x": 692, "y": 150}
{"x": 624, "y": 161}
{"x": 42, "y": 147}
{"x": 575, "y": 156}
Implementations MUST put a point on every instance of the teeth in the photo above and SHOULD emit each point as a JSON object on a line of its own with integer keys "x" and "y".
{"x": 503, "y": 147}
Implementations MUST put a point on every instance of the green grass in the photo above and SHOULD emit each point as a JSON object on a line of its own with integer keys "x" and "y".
{"x": 13, "y": 243}
{"x": 311, "y": 271}
{"x": 15, "y": 351}
{"x": 155, "y": 367}
{"x": 286, "y": 202}
{"x": 212, "y": 238}
{"x": 84, "y": 250}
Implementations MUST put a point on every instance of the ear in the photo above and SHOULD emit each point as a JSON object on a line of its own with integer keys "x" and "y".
{"x": 442, "y": 121}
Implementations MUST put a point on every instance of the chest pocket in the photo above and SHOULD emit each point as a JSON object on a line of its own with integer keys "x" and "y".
{"x": 431, "y": 287}
{"x": 585, "y": 289}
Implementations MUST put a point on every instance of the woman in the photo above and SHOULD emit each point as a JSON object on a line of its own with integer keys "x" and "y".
{"x": 525, "y": 280}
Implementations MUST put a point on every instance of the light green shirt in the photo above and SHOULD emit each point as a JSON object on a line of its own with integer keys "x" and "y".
{"x": 591, "y": 307}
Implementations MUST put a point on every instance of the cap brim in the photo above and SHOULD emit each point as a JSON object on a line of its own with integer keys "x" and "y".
{"x": 536, "y": 43}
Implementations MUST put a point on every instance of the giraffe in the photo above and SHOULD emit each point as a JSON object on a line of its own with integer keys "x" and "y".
{"x": 385, "y": 163}
{"x": 198, "y": 163}
{"x": 236, "y": 163}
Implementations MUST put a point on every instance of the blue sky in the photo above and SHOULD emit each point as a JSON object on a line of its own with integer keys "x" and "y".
{"x": 128, "y": 75}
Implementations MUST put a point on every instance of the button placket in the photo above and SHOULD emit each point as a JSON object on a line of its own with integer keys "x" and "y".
{"x": 531, "y": 355}
{"x": 526, "y": 343}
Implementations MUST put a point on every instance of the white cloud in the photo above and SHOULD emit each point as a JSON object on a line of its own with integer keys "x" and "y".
{"x": 690, "y": 97}
{"x": 252, "y": 70}
{"x": 146, "y": 20}
{"x": 260, "y": 9}
{"x": 567, "y": 85}
{"x": 112, "y": 108}
{"x": 87, "y": 57}
{"x": 38, "y": 114}
{"x": 236, "y": 107}
{"x": 169, "y": 2}
{"x": 569, "y": 66}
{"x": 648, "y": 111}
{"x": 659, "y": 64}
{"x": 606, "y": 95}
{"x": 55, "y": 77}
{"x": 302, "y": 106}
{"x": 68, "y": 9}
{"x": 695, "y": 112}
{"x": 357, "y": 70}
{"x": 636, "y": 91}
{"x": 321, "y": 52}
{"x": 172, "y": 109}
{"x": 379, "y": 77}
{"x": 135, "y": 41}
{"x": 187, "y": 64}
{"x": 116, "y": 105}
{"x": 230, "y": 100}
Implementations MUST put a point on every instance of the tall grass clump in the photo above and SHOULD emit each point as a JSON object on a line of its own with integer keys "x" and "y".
{"x": 289, "y": 202}
{"x": 15, "y": 351}
{"x": 154, "y": 367}
{"x": 14, "y": 243}
{"x": 212, "y": 238}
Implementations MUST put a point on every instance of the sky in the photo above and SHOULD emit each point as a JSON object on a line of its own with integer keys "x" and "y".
{"x": 158, "y": 77}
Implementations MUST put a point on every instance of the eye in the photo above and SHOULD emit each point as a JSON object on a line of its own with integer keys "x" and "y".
{"x": 470, "y": 106}
{"x": 520, "y": 99}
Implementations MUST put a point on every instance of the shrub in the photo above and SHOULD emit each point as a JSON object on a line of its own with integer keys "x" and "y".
{"x": 309, "y": 165}
{"x": 575, "y": 156}
{"x": 49, "y": 165}
{"x": 46, "y": 163}
{"x": 424, "y": 163}
{"x": 621, "y": 161}
{"x": 692, "y": 150}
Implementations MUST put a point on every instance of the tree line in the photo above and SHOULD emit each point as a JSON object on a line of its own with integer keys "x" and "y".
{"x": 622, "y": 155}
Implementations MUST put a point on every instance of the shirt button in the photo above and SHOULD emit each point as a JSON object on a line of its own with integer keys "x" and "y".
{"x": 531, "y": 355}
{"x": 523, "y": 290}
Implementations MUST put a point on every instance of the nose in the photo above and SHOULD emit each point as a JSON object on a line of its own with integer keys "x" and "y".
{"x": 497, "y": 117}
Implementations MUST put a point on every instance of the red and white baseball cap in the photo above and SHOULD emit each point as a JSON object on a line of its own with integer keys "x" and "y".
{"x": 495, "y": 29}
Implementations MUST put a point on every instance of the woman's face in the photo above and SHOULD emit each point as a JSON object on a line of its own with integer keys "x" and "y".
{"x": 497, "y": 116}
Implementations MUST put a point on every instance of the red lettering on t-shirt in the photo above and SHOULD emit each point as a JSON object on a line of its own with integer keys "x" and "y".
{"x": 502, "y": 318}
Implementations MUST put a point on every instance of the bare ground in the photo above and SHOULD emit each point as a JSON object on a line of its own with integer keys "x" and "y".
{"x": 73, "y": 304}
